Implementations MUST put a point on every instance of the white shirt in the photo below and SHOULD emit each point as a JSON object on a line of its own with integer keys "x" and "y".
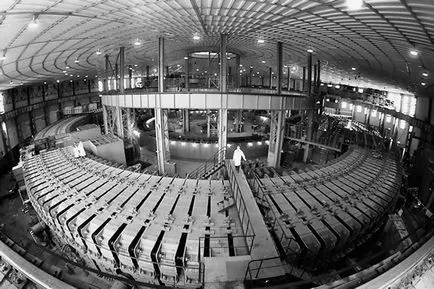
{"x": 238, "y": 155}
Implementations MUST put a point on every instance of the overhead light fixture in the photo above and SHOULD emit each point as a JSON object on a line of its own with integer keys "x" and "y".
{"x": 67, "y": 67}
{"x": 196, "y": 37}
{"x": 261, "y": 41}
{"x": 98, "y": 52}
{"x": 414, "y": 52}
{"x": 353, "y": 68}
{"x": 34, "y": 22}
{"x": 310, "y": 50}
{"x": 57, "y": 81}
{"x": 263, "y": 61}
{"x": 185, "y": 57}
{"x": 423, "y": 83}
{"x": 425, "y": 74}
{"x": 354, "y": 4}
{"x": 137, "y": 42}
{"x": 76, "y": 60}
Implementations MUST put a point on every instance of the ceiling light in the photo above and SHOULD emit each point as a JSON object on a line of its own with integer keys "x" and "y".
{"x": 34, "y": 22}
{"x": 196, "y": 37}
{"x": 423, "y": 83}
{"x": 137, "y": 42}
{"x": 135, "y": 65}
{"x": 98, "y": 52}
{"x": 353, "y": 68}
{"x": 414, "y": 52}
{"x": 76, "y": 60}
{"x": 263, "y": 61}
{"x": 185, "y": 57}
{"x": 57, "y": 81}
{"x": 67, "y": 67}
{"x": 425, "y": 74}
{"x": 354, "y": 4}
{"x": 261, "y": 41}
{"x": 310, "y": 50}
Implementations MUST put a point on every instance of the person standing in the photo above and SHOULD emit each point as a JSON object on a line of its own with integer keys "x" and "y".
{"x": 237, "y": 157}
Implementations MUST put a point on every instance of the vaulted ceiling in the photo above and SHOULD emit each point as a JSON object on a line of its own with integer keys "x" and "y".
{"x": 367, "y": 47}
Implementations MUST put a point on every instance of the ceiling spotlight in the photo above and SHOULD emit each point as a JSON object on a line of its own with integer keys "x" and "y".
{"x": 413, "y": 52}
{"x": 353, "y": 68}
{"x": 261, "y": 41}
{"x": 354, "y": 4}
{"x": 57, "y": 81}
{"x": 67, "y": 67}
{"x": 423, "y": 83}
{"x": 185, "y": 57}
{"x": 137, "y": 42}
{"x": 310, "y": 50}
{"x": 76, "y": 60}
{"x": 98, "y": 52}
{"x": 263, "y": 61}
{"x": 34, "y": 22}
{"x": 425, "y": 74}
{"x": 196, "y": 37}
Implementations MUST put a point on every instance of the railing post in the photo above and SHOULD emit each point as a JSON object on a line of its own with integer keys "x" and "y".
{"x": 259, "y": 269}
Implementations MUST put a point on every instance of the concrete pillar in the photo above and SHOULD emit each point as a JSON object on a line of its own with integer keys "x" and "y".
{"x": 208, "y": 75}
{"x": 119, "y": 125}
{"x": 303, "y": 85}
{"x": 318, "y": 81}
{"x": 104, "y": 116}
{"x": 250, "y": 75}
{"x": 270, "y": 77}
{"x": 208, "y": 124}
{"x": 222, "y": 131}
{"x": 237, "y": 71}
{"x": 5, "y": 139}
{"x": 130, "y": 76}
{"x": 147, "y": 75}
{"x": 309, "y": 74}
{"x": 187, "y": 73}
{"x": 161, "y": 87}
{"x": 314, "y": 77}
{"x": 162, "y": 138}
{"x": 186, "y": 120}
{"x": 122, "y": 70}
{"x": 279, "y": 68}
{"x": 116, "y": 81}
{"x": 309, "y": 134}
{"x": 129, "y": 124}
{"x": 107, "y": 73}
{"x": 223, "y": 63}
{"x": 288, "y": 78}
{"x": 32, "y": 123}
{"x": 277, "y": 127}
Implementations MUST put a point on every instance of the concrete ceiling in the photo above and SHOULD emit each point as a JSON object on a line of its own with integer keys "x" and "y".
{"x": 367, "y": 47}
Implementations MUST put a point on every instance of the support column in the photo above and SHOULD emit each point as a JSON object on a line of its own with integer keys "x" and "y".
{"x": 208, "y": 124}
{"x": 314, "y": 77}
{"x": 162, "y": 136}
{"x": 288, "y": 78}
{"x": 32, "y": 123}
{"x": 130, "y": 76}
{"x": 104, "y": 116}
{"x": 107, "y": 73}
{"x": 187, "y": 73}
{"x": 208, "y": 75}
{"x": 147, "y": 75}
{"x": 129, "y": 124}
{"x": 303, "y": 84}
{"x": 161, "y": 87}
{"x": 237, "y": 71}
{"x": 309, "y": 134}
{"x": 122, "y": 70}
{"x": 5, "y": 139}
{"x": 222, "y": 132}
{"x": 279, "y": 68}
{"x": 277, "y": 126}
{"x": 309, "y": 74}
{"x": 318, "y": 81}
{"x": 223, "y": 63}
{"x": 250, "y": 75}
{"x": 116, "y": 80}
{"x": 270, "y": 75}
{"x": 186, "y": 120}
{"x": 119, "y": 124}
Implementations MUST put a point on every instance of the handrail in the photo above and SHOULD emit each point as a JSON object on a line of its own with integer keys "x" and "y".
{"x": 212, "y": 163}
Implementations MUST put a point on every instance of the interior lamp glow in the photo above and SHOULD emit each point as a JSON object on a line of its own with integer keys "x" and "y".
{"x": 310, "y": 50}
{"x": 354, "y": 4}
{"x": 34, "y": 22}
{"x": 425, "y": 74}
{"x": 196, "y": 37}
{"x": 413, "y": 52}
{"x": 98, "y": 52}
{"x": 261, "y": 41}
{"x": 137, "y": 42}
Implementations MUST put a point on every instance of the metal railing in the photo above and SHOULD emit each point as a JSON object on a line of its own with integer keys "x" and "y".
{"x": 240, "y": 246}
{"x": 210, "y": 166}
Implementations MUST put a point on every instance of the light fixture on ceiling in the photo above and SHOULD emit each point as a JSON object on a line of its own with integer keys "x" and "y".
{"x": 196, "y": 37}
{"x": 425, "y": 74}
{"x": 423, "y": 83}
{"x": 263, "y": 61}
{"x": 413, "y": 52}
{"x": 137, "y": 42}
{"x": 76, "y": 60}
{"x": 261, "y": 41}
{"x": 185, "y": 57}
{"x": 67, "y": 67}
{"x": 310, "y": 50}
{"x": 34, "y": 23}
{"x": 57, "y": 81}
{"x": 98, "y": 52}
{"x": 354, "y": 4}
{"x": 353, "y": 68}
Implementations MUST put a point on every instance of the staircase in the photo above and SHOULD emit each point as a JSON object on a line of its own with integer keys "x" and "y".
{"x": 210, "y": 166}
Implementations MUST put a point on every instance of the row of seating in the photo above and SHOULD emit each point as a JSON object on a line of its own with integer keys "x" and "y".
{"x": 330, "y": 209}
{"x": 154, "y": 228}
